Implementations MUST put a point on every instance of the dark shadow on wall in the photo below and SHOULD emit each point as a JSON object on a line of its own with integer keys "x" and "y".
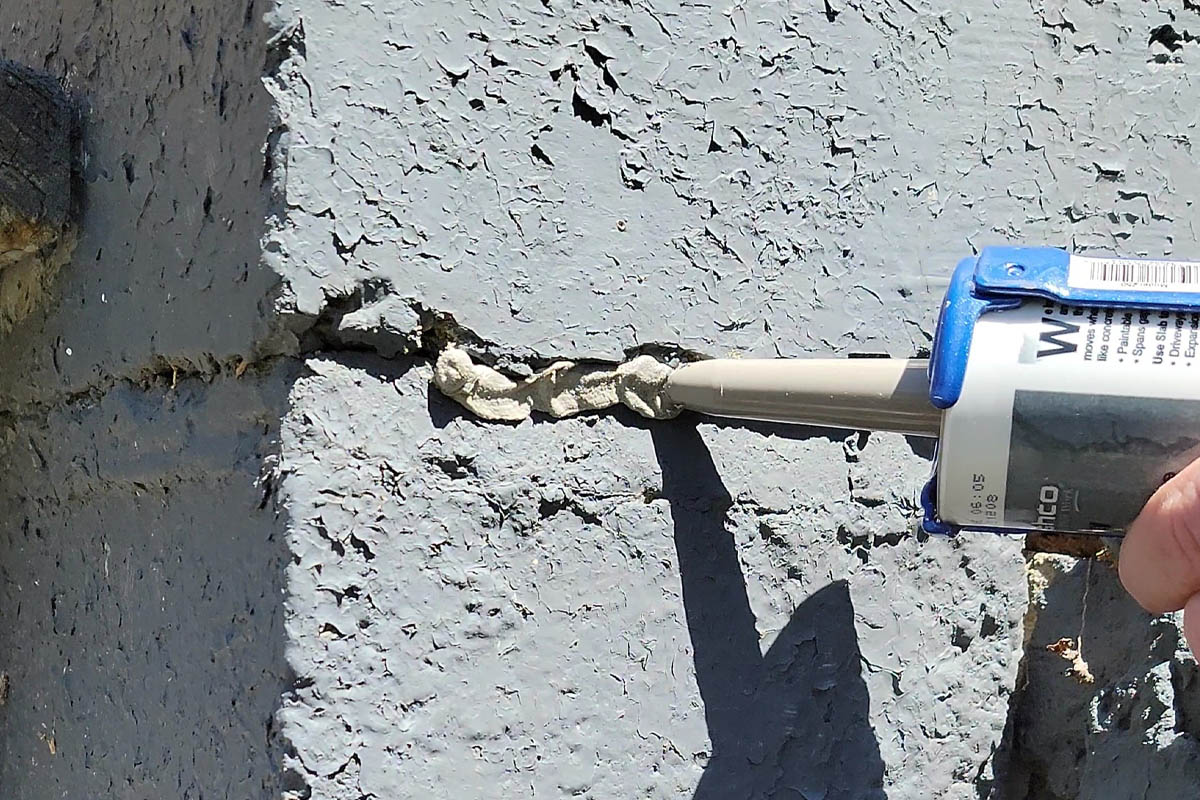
{"x": 921, "y": 446}
{"x": 142, "y": 641}
{"x": 1131, "y": 733}
{"x": 793, "y": 723}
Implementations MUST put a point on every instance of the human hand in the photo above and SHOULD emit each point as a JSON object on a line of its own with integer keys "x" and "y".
{"x": 1160, "y": 556}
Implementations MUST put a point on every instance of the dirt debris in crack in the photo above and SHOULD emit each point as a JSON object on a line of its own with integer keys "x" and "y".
{"x": 374, "y": 318}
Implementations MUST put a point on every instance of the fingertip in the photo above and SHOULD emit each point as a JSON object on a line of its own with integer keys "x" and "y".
{"x": 1191, "y": 623}
{"x": 1139, "y": 566}
{"x": 1159, "y": 562}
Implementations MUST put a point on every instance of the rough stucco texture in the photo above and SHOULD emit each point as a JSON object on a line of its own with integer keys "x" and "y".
{"x": 607, "y": 608}
{"x": 479, "y": 611}
{"x": 600, "y": 607}
{"x": 583, "y": 177}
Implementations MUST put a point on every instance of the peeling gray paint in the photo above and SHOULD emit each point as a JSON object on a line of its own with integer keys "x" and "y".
{"x": 593, "y": 607}
{"x": 575, "y": 180}
{"x": 593, "y": 181}
{"x": 479, "y": 610}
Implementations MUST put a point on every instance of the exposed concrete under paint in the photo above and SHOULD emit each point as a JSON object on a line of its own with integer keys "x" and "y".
{"x": 1131, "y": 733}
{"x": 603, "y": 605}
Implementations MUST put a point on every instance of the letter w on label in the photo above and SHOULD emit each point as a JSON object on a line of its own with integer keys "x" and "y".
{"x": 1056, "y": 337}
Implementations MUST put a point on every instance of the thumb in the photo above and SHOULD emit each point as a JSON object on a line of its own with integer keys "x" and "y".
{"x": 1160, "y": 556}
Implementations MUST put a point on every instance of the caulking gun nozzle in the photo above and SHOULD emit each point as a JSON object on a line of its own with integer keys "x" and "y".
{"x": 874, "y": 393}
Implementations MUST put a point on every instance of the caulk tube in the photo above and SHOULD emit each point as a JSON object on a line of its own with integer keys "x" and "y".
{"x": 872, "y": 393}
{"x": 1070, "y": 417}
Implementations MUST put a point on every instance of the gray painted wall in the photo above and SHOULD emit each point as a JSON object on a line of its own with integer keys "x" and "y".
{"x": 248, "y": 553}
{"x": 588, "y": 180}
{"x": 142, "y": 570}
{"x": 602, "y": 608}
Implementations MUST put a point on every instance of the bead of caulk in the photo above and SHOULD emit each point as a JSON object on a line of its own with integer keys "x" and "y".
{"x": 879, "y": 394}
{"x": 561, "y": 390}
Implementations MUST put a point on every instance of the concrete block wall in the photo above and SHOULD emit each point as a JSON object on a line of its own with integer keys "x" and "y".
{"x": 248, "y": 553}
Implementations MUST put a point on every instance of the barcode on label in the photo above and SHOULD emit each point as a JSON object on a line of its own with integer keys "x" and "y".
{"x": 1139, "y": 275}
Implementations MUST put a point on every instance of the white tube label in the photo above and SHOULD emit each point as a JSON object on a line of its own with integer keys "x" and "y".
{"x": 1070, "y": 417}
